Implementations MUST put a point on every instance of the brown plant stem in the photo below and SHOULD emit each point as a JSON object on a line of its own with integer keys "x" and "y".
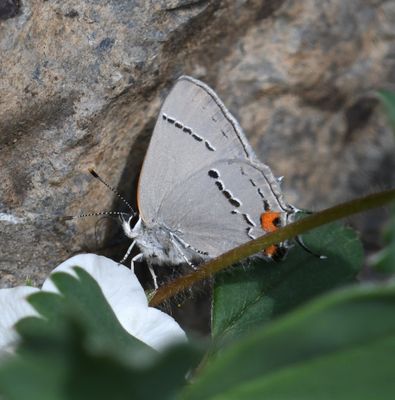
{"x": 254, "y": 246}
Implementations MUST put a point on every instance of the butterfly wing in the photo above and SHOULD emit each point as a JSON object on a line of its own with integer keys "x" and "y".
{"x": 193, "y": 129}
{"x": 220, "y": 206}
{"x": 200, "y": 177}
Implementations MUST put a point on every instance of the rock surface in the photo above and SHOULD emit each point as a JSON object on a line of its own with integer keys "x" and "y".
{"x": 81, "y": 83}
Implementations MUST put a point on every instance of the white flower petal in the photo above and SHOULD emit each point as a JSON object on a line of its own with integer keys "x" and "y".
{"x": 127, "y": 299}
{"x": 153, "y": 327}
{"x": 13, "y": 306}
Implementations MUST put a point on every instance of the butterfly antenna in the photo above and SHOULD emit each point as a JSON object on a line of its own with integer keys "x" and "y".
{"x": 93, "y": 214}
{"x": 299, "y": 241}
{"x": 96, "y": 175}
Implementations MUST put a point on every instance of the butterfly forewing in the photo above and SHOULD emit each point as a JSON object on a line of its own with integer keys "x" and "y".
{"x": 193, "y": 129}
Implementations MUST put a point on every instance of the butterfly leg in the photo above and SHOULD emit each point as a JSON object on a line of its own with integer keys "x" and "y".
{"x": 128, "y": 252}
{"x": 176, "y": 240}
{"x": 153, "y": 275}
{"x": 150, "y": 267}
{"x": 135, "y": 258}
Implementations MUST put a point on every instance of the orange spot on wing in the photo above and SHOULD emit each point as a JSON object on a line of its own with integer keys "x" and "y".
{"x": 270, "y": 221}
{"x": 271, "y": 250}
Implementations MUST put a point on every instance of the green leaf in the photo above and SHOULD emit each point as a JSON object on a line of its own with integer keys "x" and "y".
{"x": 248, "y": 297}
{"x": 79, "y": 350}
{"x": 348, "y": 375}
{"x": 387, "y": 97}
{"x": 384, "y": 260}
{"x": 82, "y": 300}
{"x": 321, "y": 350}
{"x": 68, "y": 370}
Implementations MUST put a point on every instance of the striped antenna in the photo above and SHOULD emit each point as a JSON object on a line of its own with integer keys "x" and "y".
{"x": 96, "y": 175}
{"x": 93, "y": 214}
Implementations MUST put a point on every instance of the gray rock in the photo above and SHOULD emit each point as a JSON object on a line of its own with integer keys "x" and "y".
{"x": 81, "y": 83}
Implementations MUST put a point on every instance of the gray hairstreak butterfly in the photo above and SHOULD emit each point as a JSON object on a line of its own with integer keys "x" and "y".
{"x": 202, "y": 189}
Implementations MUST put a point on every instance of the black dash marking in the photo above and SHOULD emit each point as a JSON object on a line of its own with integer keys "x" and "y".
{"x": 187, "y": 130}
{"x": 178, "y": 125}
{"x": 235, "y": 202}
{"x": 248, "y": 220}
{"x": 164, "y": 116}
{"x": 224, "y": 133}
{"x": 235, "y": 212}
{"x": 252, "y": 182}
{"x": 266, "y": 205}
{"x": 227, "y": 194}
{"x": 171, "y": 120}
{"x": 260, "y": 193}
{"x": 208, "y": 145}
{"x": 198, "y": 138}
{"x": 220, "y": 186}
{"x": 213, "y": 173}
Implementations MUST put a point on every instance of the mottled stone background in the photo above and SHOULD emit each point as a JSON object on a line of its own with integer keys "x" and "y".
{"x": 81, "y": 82}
